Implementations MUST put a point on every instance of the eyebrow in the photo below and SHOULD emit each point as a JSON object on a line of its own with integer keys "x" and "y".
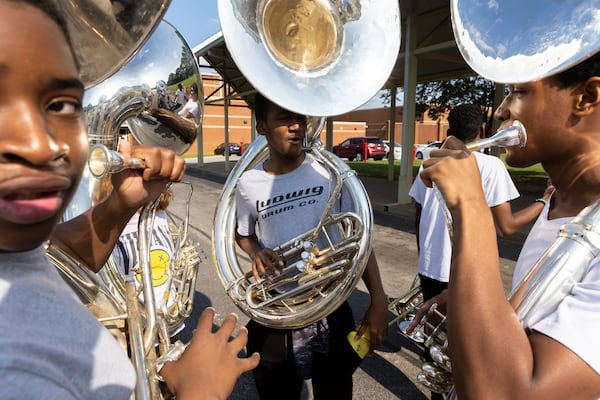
{"x": 54, "y": 83}
{"x": 67, "y": 83}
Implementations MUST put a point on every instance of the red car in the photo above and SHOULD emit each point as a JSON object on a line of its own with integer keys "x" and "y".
{"x": 354, "y": 148}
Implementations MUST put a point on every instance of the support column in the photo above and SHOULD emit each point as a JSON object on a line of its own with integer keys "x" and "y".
{"x": 408, "y": 113}
{"x": 252, "y": 127}
{"x": 200, "y": 146}
{"x": 390, "y": 175}
{"x": 226, "y": 127}
{"x": 329, "y": 133}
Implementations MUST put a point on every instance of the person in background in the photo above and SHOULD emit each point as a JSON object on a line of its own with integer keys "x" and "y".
{"x": 179, "y": 98}
{"x": 493, "y": 355}
{"x": 466, "y": 123}
{"x": 321, "y": 350}
{"x": 50, "y": 344}
{"x": 191, "y": 109}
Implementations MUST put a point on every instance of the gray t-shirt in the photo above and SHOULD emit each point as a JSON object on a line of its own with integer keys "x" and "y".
{"x": 281, "y": 207}
{"x": 51, "y": 346}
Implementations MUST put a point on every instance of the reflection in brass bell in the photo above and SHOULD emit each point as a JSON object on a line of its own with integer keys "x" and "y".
{"x": 301, "y": 34}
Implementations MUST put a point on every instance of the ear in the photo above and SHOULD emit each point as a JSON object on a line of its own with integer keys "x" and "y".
{"x": 589, "y": 98}
{"x": 261, "y": 127}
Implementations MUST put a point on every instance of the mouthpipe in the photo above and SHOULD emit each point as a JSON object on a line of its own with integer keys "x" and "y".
{"x": 513, "y": 135}
{"x": 102, "y": 161}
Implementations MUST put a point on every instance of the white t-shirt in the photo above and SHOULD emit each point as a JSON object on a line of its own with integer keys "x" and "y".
{"x": 192, "y": 107}
{"x": 162, "y": 253}
{"x": 435, "y": 246}
{"x": 284, "y": 206}
{"x": 576, "y": 321}
{"x": 179, "y": 96}
{"x": 51, "y": 346}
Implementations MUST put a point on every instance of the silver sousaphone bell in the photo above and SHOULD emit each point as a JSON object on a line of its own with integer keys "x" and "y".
{"x": 314, "y": 57}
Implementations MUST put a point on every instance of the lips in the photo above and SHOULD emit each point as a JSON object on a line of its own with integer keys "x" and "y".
{"x": 32, "y": 199}
{"x": 30, "y": 207}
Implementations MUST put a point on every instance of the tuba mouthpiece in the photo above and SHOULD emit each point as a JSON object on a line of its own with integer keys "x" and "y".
{"x": 513, "y": 135}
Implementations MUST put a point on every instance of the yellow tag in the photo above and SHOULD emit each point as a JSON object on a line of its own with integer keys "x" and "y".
{"x": 360, "y": 345}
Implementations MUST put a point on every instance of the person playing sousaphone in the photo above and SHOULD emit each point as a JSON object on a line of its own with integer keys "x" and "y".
{"x": 493, "y": 356}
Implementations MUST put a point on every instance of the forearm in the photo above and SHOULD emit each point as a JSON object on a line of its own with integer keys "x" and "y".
{"x": 372, "y": 280}
{"x": 249, "y": 244}
{"x": 91, "y": 236}
{"x": 508, "y": 222}
{"x": 483, "y": 329}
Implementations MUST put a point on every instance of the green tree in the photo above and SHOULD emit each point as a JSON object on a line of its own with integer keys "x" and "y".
{"x": 437, "y": 98}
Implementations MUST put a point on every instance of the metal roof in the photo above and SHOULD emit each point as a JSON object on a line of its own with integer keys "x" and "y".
{"x": 435, "y": 51}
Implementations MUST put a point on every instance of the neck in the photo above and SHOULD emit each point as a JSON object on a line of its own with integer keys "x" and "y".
{"x": 281, "y": 165}
{"x": 577, "y": 184}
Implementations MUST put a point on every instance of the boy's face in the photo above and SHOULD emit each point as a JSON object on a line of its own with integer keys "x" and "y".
{"x": 284, "y": 131}
{"x": 544, "y": 110}
{"x": 43, "y": 143}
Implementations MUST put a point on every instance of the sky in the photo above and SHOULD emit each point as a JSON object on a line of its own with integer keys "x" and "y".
{"x": 196, "y": 20}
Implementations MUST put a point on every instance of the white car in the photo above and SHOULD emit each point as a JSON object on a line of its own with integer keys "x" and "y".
{"x": 397, "y": 150}
{"x": 423, "y": 152}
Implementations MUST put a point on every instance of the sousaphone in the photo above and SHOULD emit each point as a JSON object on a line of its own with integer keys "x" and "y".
{"x": 317, "y": 58}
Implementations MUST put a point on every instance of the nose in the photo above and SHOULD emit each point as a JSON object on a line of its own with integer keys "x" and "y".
{"x": 501, "y": 113}
{"x": 29, "y": 137}
{"x": 297, "y": 121}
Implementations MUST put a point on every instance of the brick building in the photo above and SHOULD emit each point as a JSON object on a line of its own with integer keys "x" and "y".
{"x": 372, "y": 122}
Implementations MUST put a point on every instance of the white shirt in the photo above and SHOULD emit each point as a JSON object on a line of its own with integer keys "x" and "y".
{"x": 192, "y": 107}
{"x": 576, "y": 321}
{"x": 435, "y": 246}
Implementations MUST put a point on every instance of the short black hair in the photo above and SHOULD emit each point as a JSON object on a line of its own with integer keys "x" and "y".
{"x": 465, "y": 121}
{"x": 580, "y": 72}
{"x": 261, "y": 106}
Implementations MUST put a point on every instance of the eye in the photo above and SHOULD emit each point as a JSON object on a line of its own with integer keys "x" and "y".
{"x": 517, "y": 90}
{"x": 65, "y": 107}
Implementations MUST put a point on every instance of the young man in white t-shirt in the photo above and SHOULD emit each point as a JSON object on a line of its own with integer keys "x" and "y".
{"x": 191, "y": 109}
{"x": 276, "y": 201}
{"x": 492, "y": 355}
{"x": 466, "y": 123}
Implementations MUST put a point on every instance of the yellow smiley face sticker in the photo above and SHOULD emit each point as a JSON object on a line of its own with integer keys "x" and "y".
{"x": 159, "y": 262}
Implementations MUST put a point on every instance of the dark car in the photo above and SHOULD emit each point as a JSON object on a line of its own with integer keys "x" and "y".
{"x": 234, "y": 148}
{"x": 354, "y": 148}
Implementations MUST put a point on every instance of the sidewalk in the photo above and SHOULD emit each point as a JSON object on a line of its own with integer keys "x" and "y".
{"x": 382, "y": 193}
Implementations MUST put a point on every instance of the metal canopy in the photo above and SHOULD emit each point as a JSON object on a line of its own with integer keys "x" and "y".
{"x": 435, "y": 50}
